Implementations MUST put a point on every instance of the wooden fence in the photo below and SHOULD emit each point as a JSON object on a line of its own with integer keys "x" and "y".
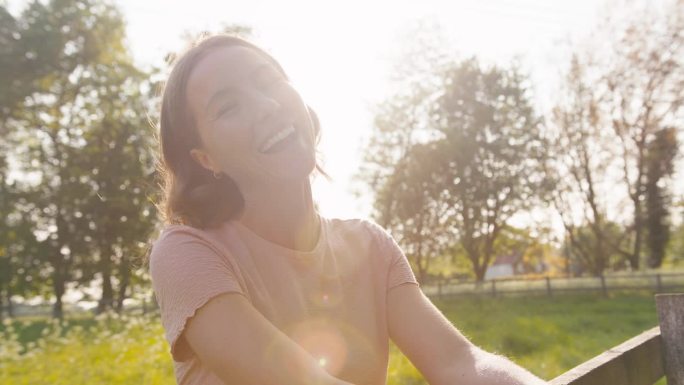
{"x": 642, "y": 360}
{"x": 654, "y": 282}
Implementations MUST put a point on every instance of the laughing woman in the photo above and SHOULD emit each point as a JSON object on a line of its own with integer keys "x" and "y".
{"x": 254, "y": 286}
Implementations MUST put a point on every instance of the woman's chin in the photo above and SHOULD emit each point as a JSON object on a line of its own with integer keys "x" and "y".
{"x": 294, "y": 169}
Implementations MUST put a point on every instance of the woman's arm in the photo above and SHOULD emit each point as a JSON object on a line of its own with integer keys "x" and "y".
{"x": 241, "y": 346}
{"x": 439, "y": 351}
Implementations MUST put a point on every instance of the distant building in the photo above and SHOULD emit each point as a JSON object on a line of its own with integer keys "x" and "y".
{"x": 513, "y": 264}
{"x": 504, "y": 266}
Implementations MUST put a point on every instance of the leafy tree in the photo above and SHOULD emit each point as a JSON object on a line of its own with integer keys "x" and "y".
{"x": 640, "y": 96}
{"x": 398, "y": 164}
{"x": 580, "y": 167}
{"x": 118, "y": 168}
{"x": 621, "y": 102}
{"x": 419, "y": 213}
{"x": 452, "y": 158}
{"x": 21, "y": 265}
{"x": 492, "y": 152}
{"x": 660, "y": 152}
{"x": 580, "y": 250}
{"x": 82, "y": 134}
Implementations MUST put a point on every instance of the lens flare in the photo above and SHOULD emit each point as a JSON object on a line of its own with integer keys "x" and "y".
{"x": 323, "y": 340}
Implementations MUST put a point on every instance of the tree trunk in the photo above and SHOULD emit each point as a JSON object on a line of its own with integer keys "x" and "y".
{"x": 58, "y": 287}
{"x": 638, "y": 232}
{"x": 107, "y": 296}
{"x": 2, "y": 305}
{"x": 124, "y": 281}
{"x": 57, "y": 309}
{"x": 8, "y": 301}
{"x": 480, "y": 273}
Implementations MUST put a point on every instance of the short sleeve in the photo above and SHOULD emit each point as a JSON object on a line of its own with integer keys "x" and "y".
{"x": 186, "y": 271}
{"x": 399, "y": 269}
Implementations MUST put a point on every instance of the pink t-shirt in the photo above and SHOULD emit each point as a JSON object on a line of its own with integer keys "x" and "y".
{"x": 331, "y": 300}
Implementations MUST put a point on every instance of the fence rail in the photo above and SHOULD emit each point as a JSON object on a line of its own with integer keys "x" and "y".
{"x": 656, "y": 283}
{"x": 641, "y": 360}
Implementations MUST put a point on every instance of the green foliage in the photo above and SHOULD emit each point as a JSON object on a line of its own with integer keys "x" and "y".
{"x": 83, "y": 144}
{"x": 452, "y": 158}
{"x": 620, "y": 102}
{"x": 660, "y": 157}
{"x": 589, "y": 251}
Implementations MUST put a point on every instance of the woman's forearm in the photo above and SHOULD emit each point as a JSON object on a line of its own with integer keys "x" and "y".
{"x": 483, "y": 368}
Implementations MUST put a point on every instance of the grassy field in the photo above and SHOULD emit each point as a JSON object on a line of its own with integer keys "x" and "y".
{"x": 547, "y": 336}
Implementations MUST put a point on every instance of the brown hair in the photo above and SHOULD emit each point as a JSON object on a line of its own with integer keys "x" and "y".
{"x": 192, "y": 195}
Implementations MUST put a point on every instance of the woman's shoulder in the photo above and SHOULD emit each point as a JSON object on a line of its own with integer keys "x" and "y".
{"x": 176, "y": 239}
{"x": 361, "y": 227}
{"x": 173, "y": 232}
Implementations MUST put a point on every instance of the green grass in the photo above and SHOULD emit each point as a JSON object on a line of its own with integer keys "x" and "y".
{"x": 547, "y": 336}
{"x": 103, "y": 350}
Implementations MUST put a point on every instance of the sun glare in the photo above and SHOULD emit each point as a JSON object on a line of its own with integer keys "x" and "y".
{"x": 340, "y": 55}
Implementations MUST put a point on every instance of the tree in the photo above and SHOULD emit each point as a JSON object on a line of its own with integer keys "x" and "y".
{"x": 642, "y": 96}
{"x": 398, "y": 164}
{"x": 580, "y": 249}
{"x": 82, "y": 133}
{"x": 660, "y": 156}
{"x": 21, "y": 265}
{"x": 580, "y": 168}
{"x": 453, "y": 158}
{"x": 492, "y": 154}
{"x": 414, "y": 208}
{"x": 621, "y": 95}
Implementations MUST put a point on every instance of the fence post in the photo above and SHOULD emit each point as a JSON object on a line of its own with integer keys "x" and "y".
{"x": 548, "y": 287}
{"x": 494, "y": 288}
{"x": 671, "y": 316}
{"x": 659, "y": 284}
{"x": 603, "y": 286}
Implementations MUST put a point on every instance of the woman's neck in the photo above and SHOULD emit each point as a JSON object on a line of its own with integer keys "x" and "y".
{"x": 285, "y": 216}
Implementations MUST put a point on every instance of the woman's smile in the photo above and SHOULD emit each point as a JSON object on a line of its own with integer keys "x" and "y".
{"x": 279, "y": 140}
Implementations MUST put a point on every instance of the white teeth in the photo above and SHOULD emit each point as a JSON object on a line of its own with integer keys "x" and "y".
{"x": 284, "y": 133}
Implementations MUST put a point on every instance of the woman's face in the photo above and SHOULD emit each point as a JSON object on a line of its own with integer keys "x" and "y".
{"x": 253, "y": 125}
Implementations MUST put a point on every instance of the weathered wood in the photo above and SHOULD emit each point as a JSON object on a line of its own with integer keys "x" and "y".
{"x": 671, "y": 315}
{"x": 637, "y": 361}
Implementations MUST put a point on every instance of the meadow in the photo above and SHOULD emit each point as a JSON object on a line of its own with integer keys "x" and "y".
{"x": 547, "y": 336}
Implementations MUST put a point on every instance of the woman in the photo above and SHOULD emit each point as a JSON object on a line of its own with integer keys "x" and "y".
{"x": 254, "y": 286}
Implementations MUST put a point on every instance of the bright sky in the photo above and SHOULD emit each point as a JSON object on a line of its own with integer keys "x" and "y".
{"x": 339, "y": 54}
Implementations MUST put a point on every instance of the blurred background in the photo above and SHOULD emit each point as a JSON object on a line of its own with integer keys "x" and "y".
{"x": 515, "y": 149}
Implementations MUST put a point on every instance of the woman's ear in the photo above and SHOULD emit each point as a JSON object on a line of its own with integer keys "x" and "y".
{"x": 204, "y": 159}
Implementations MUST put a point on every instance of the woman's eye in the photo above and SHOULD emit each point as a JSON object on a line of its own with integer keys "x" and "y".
{"x": 226, "y": 109}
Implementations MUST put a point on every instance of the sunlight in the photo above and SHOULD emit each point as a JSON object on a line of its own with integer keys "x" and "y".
{"x": 340, "y": 55}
